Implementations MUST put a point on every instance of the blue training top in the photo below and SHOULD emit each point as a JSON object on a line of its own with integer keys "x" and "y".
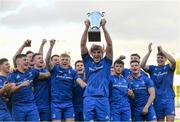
{"x": 97, "y": 76}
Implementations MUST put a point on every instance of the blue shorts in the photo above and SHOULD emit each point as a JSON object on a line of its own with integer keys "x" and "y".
{"x": 25, "y": 113}
{"x": 164, "y": 107}
{"x": 79, "y": 116}
{"x": 45, "y": 116}
{"x": 96, "y": 108}
{"x": 59, "y": 112}
{"x": 151, "y": 115}
{"x": 5, "y": 115}
{"x": 120, "y": 114}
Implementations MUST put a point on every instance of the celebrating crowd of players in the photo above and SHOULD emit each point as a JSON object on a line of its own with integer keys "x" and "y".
{"x": 96, "y": 90}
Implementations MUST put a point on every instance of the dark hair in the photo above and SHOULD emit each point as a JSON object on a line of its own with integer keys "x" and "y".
{"x": 28, "y": 52}
{"x": 135, "y": 54}
{"x": 2, "y": 60}
{"x": 134, "y": 61}
{"x": 19, "y": 56}
{"x": 78, "y": 61}
{"x": 35, "y": 54}
{"x": 54, "y": 56}
{"x": 161, "y": 54}
{"x": 118, "y": 61}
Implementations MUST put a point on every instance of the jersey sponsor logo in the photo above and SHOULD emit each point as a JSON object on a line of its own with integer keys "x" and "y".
{"x": 95, "y": 68}
{"x": 160, "y": 73}
{"x": 120, "y": 86}
{"x": 60, "y": 71}
{"x": 139, "y": 88}
{"x": 18, "y": 83}
{"x": 64, "y": 77}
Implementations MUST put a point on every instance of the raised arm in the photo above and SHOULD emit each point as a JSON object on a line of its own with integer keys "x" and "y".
{"x": 144, "y": 60}
{"x": 42, "y": 46}
{"x": 169, "y": 57}
{"x": 150, "y": 100}
{"x": 27, "y": 43}
{"x": 109, "y": 47}
{"x": 48, "y": 55}
{"x": 84, "y": 48}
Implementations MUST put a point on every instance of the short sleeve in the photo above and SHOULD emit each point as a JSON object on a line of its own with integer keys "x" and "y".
{"x": 86, "y": 57}
{"x": 151, "y": 68}
{"x": 35, "y": 73}
{"x": 11, "y": 78}
{"x": 149, "y": 83}
{"x": 1, "y": 83}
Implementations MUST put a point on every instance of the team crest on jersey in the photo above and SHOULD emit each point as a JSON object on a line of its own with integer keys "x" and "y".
{"x": 107, "y": 117}
{"x": 17, "y": 76}
{"x": 142, "y": 82}
{"x": 69, "y": 71}
{"x": 154, "y": 117}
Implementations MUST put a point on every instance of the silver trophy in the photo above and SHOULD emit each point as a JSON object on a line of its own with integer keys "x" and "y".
{"x": 94, "y": 33}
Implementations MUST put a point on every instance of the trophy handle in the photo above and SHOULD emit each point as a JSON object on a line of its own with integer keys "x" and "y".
{"x": 88, "y": 13}
{"x": 103, "y": 14}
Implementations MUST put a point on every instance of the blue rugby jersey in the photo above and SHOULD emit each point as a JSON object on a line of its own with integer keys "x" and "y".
{"x": 97, "y": 76}
{"x": 3, "y": 105}
{"x": 42, "y": 91}
{"x": 140, "y": 87}
{"x": 119, "y": 91}
{"x": 62, "y": 82}
{"x": 163, "y": 80}
{"x": 25, "y": 94}
{"x": 78, "y": 96}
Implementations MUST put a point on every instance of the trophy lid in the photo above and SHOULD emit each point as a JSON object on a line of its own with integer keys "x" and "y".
{"x": 96, "y": 12}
